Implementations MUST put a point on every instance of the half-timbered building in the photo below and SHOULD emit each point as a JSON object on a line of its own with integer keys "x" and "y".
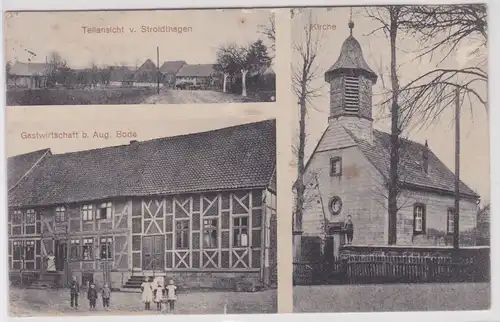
{"x": 198, "y": 208}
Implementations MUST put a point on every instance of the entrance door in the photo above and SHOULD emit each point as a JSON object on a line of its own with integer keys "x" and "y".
{"x": 60, "y": 254}
{"x": 153, "y": 253}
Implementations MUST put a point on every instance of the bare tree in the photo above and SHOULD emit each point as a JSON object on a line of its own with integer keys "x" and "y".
{"x": 390, "y": 19}
{"x": 269, "y": 30}
{"x": 304, "y": 72}
{"x": 446, "y": 29}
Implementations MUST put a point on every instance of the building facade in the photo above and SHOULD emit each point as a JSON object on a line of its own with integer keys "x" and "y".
{"x": 28, "y": 75}
{"x": 106, "y": 222}
{"x": 348, "y": 170}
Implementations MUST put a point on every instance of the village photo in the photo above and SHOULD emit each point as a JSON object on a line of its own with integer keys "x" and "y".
{"x": 391, "y": 141}
{"x": 140, "y": 57}
{"x": 182, "y": 224}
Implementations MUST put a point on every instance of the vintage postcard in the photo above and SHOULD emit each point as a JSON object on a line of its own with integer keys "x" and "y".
{"x": 181, "y": 219}
{"x": 140, "y": 57}
{"x": 391, "y": 141}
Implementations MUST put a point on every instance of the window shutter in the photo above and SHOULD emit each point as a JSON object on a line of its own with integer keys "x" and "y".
{"x": 424, "y": 216}
{"x": 351, "y": 95}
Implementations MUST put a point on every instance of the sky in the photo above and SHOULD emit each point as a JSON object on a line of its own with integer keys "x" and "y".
{"x": 45, "y": 32}
{"x": 475, "y": 164}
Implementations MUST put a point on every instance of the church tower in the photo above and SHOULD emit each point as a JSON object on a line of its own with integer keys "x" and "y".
{"x": 351, "y": 81}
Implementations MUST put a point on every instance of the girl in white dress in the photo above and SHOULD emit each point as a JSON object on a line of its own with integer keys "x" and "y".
{"x": 171, "y": 295}
{"x": 159, "y": 296}
{"x": 147, "y": 293}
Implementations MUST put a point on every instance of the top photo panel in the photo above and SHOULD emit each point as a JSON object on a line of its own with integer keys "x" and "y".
{"x": 140, "y": 57}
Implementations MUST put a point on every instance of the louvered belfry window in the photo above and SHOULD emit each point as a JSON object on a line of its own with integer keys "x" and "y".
{"x": 351, "y": 94}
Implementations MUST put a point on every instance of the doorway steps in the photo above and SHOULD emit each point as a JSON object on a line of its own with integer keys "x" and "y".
{"x": 48, "y": 280}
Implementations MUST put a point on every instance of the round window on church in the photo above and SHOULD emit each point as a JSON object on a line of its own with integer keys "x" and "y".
{"x": 335, "y": 205}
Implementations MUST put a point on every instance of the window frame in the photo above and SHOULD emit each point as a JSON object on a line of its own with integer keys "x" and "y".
{"x": 450, "y": 219}
{"x": 60, "y": 210}
{"x": 75, "y": 244}
{"x": 19, "y": 245}
{"x": 108, "y": 240}
{"x": 30, "y": 217}
{"x": 104, "y": 206}
{"x": 422, "y": 230}
{"x": 85, "y": 210}
{"x": 29, "y": 244}
{"x": 334, "y": 161}
{"x": 185, "y": 242}
{"x": 211, "y": 229}
{"x": 85, "y": 245}
{"x": 239, "y": 227}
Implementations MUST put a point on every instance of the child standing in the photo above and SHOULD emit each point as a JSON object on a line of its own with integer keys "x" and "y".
{"x": 171, "y": 295}
{"x": 74, "y": 291}
{"x": 92, "y": 296}
{"x": 147, "y": 293}
{"x": 106, "y": 295}
{"x": 158, "y": 295}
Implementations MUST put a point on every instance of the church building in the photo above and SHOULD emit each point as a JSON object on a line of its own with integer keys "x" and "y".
{"x": 347, "y": 172}
{"x": 197, "y": 208}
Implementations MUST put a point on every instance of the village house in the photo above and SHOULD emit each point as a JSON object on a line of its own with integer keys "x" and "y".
{"x": 146, "y": 75}
{"x": 199, "y": 208}
{"x": 348, "y": 169}
{"x": 169, "y": 70}
{"x": 28, "y": 75}
{"x": 201, "y": 75}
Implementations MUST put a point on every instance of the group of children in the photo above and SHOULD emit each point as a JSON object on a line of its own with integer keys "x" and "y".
{"x": 158, "y": 294}
{"x": 91, "y": 295}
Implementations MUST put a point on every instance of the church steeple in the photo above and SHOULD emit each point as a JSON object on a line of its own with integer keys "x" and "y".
{"x": 351, "y": 81}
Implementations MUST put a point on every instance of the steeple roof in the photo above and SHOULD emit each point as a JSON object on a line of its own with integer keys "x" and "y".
{"x": 351, "y": 60}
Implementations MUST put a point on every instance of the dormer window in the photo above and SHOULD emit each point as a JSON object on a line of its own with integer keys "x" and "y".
{"x": 351, "y": 95}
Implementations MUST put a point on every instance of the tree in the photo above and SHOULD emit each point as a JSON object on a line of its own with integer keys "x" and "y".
{"x": 269, "y": 30}
{"x": 445, "y": 29}
{"x": 390, "y": 19}
{"x": 55, "y": 65}
{"x": 303, "y": 74}
{"x": 251, "y": 58}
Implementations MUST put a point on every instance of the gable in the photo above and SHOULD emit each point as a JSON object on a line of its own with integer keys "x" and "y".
{"x": 19, "y": 166}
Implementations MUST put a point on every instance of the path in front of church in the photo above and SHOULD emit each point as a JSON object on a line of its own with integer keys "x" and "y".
{"x": 35, "y": 302}
{"x": 392, "y": 297}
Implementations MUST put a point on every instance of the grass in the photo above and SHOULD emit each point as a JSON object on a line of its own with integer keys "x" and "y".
{"x": 34, "y": 302}
{"x": 77, "y": 96}
{"x": 392, "y": 297}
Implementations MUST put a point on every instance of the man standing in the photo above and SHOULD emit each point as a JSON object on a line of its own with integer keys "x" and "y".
{"x": 349, "y": 229}
{"x": 74, "y": 292}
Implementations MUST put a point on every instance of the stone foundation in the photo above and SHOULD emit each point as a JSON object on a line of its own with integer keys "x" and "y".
{"x": 242, "y": 281}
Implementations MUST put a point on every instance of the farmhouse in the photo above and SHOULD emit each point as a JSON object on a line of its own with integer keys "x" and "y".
{"x": 346, "y": 175}
{"x": 198, "y": 208}
{"x": 204, "y": 75}
{"x": 168, "y": 71}
{"x": 28, "y": 75}
{"x": 146, "y": 75}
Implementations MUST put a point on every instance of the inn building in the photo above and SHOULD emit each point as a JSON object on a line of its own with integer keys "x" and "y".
{"x": 346, "y": 173}
{"x": 199, "y": 208}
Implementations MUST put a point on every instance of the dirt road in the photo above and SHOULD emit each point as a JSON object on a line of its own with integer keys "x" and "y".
{"x": 170, "y": 96}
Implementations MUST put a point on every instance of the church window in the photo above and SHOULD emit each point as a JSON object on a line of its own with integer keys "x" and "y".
{"x": 450, "y": 220}
{"x": 351, "y": 94}
{"x": 419, "y": 218}
{"x": 335, "y": 166}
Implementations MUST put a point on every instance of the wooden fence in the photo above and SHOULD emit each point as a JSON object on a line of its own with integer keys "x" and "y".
{"x": 368, "y": 269}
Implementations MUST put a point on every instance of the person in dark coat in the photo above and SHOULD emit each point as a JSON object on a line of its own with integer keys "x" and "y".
{"x": 92, "y": 296}
{"x": 349, "y": 229}
{"x": 74, "y": 291}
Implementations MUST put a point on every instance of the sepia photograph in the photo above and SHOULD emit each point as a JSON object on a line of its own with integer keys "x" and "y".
{"x": 392, "y": 172}
{"x": 180, "y": 220}
{"x": 140, "y": 57}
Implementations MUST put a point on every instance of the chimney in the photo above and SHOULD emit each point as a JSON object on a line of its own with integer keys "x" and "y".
{"x": 425, "y": 157}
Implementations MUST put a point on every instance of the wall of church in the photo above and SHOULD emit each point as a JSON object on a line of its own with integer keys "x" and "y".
{"x": 358, "y": 186}
{"x": 436, "y": 206}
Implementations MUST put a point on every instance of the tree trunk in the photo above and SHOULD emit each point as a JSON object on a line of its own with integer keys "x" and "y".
{"x": 224, "y": 85}
{"x": 244, "y": 82}
{"x": 394, "y": 148}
